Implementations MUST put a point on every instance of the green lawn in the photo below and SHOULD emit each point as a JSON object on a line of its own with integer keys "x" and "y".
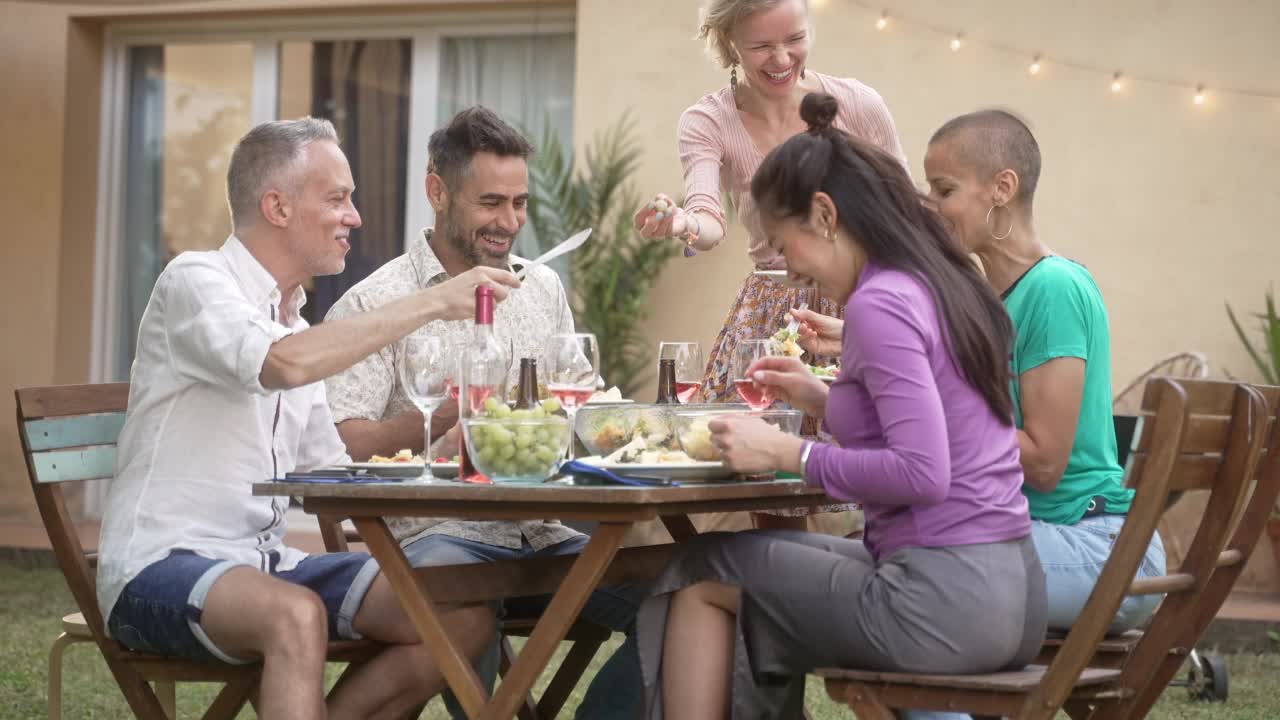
{"x": 33, "y": 601}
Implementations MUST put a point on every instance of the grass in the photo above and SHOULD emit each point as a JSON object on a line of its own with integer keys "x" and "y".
{"x": 32, "y": 603}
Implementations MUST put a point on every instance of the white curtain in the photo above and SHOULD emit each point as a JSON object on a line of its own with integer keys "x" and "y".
{"x": 527, "y": 80}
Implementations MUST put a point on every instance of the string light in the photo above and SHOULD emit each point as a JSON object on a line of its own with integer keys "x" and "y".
{"x": 1119, "y": 81}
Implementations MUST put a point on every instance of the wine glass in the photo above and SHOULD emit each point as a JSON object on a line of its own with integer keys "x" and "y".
{"x": 573, "y": 361}
{"x": 689, "y": 367}
{"x": 757, "y": 396}
{"x": 426, "y": 373}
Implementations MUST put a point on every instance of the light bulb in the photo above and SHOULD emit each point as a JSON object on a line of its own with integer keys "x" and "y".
{"x": 1034, "y": 67}
{"x": 1199, "y": 97}
{"x": 957, "y": 42}
{"x": 883, "y": 22}
{"x": 1117, "y": 83}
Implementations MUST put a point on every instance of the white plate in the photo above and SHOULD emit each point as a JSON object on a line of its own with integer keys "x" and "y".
{"x": 623, "y": 401}
{"x": 687, "y": 472}
{"x": 445, "y": 470}
{"x": 780, "y": 276}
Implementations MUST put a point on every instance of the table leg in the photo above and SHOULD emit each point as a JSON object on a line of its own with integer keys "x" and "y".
{"x": 554, "y": 624}
{"x": 416, "y": 601}
{"x": 680, "y": 527}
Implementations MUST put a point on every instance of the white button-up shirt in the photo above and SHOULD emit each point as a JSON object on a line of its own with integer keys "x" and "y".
{"x": 201, "y": 429}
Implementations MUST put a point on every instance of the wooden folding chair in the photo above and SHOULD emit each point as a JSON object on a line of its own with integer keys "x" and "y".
{"x": 1202, "y": 435}
{"x": 586, "y": 637}
{"x": 1244, "y": 483}
{"x": 68, "y": 435}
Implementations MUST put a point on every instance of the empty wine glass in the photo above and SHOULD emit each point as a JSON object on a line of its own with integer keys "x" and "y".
{"x": 745, "y": 354}
{"x": 573, "y": 361}
{"x": 426, "y": 373}
{"x": 689, "y": 367}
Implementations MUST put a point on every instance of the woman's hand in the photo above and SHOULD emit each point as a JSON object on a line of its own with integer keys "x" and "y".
{"x": 791, "y": 382}
{"x": 661, "y": 219}
{"x": 819, "y": 334}
{"x": 752, "y": 446}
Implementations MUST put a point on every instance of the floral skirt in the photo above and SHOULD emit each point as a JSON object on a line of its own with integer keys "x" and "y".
{"x": 762, "y": 308}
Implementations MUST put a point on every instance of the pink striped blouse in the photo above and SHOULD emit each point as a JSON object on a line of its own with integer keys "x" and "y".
{"x": 717, "y": 152}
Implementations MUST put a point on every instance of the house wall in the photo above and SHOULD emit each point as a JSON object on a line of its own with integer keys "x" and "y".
{"x": 1172, "y": 206}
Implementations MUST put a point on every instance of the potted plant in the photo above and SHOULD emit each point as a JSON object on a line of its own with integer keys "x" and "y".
{"x": 611, "y": 275}
{"x": 1267, "y": 359}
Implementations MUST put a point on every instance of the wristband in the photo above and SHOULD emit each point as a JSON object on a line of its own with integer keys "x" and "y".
{"x": 804, "y": 458}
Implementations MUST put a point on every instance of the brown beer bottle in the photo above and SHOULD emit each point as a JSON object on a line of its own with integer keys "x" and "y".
{"x": 667, "y": 394}
{"x": 527, "y": 392}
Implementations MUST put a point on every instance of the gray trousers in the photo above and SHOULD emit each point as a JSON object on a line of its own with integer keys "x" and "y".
{"x": 811, "y": 601}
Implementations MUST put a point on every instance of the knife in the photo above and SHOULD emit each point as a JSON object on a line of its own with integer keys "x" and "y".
{"x": 573, "y": 243}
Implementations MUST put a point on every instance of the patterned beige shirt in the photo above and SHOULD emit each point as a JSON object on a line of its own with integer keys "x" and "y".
{"x": 371, "y": 388}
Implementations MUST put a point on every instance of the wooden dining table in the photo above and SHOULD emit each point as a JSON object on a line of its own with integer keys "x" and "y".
{"x": 570, "y": 579}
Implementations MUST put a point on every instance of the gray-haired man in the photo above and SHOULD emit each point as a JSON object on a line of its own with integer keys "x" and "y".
{"x": 226, "y": 391}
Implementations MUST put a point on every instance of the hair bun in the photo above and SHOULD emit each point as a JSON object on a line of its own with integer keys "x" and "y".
{"x": 819, "y": 110}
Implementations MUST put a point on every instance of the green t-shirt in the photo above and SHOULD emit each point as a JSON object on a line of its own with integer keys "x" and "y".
{"x": 1057, "y": 311}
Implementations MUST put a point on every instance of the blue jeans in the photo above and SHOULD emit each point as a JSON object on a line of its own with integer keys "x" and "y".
{"x": 1073, "y": 557}
{"x": 616, "y": 690}
{"x": 159, "y": 611}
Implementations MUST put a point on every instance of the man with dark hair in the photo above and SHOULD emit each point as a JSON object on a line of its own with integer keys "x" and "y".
{"x": 478, "y": 185}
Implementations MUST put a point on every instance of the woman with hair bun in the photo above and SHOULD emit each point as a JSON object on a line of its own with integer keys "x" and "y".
{"x": 723, "y": 137}
{"x": 947, "y": 579}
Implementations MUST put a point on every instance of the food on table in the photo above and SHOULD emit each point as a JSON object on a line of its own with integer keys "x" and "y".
{"x": 639, "y": 452}
{"x": 786, "y": 342}
{"x": 610, "y": 437}
{"x": 515, "y": 443}
{"x": 829, "y": 372}
{"x": 696, "y": 439}
{"x": 613, "y": 394}
{"x": 404, "y": 456}
{"x": 446, "y": 461}
{"x": 648, "y": 446}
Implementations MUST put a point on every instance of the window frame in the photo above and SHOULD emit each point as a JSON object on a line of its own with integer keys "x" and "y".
{"x": 427, "y": 31}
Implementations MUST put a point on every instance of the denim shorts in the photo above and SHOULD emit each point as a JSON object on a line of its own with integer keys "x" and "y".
{"x": 159, "y": 610}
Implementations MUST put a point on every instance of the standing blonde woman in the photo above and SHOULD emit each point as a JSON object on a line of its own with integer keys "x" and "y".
{"x": 723, "y": 138}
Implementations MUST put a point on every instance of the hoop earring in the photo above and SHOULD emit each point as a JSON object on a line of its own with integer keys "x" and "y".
{"x": 1007, "y": 233}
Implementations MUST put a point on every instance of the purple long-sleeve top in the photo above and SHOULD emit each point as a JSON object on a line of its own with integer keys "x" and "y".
{"x": 919, "y": 447}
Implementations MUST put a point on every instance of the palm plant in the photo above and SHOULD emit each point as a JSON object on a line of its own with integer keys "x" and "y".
{"x": 1268, "y": 357}
{"x": 614, "y": 271}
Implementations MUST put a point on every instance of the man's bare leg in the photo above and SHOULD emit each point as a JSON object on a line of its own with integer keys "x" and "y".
{"x": 404, "y": 675}
{"x": 249, "y": 614}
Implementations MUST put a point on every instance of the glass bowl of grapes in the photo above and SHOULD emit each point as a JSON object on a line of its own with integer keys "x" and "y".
{"x": 514, "y": 447}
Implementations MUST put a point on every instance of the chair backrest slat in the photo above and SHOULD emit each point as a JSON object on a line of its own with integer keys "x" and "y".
{"x": 74, "y": 431}
{"x": 91, "y": 463}
{"x": 63, "y": 400}
{"x": 68, "y": 434}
